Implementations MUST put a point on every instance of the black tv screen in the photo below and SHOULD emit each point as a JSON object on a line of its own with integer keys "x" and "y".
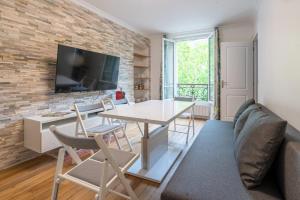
{"x": 79, "y": 70}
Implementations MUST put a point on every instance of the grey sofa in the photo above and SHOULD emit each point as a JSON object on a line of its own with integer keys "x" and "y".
{"x": 209, "y": 170}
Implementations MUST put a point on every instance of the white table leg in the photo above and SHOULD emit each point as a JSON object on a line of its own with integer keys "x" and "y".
{"x": 157, "y": 157}
{"x": 144, "y": 150}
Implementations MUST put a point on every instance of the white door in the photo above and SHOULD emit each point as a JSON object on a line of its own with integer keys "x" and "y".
{"x": 236, "y": 77}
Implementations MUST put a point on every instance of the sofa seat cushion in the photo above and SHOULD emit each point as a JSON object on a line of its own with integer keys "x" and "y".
{"x": 209, "y": 170}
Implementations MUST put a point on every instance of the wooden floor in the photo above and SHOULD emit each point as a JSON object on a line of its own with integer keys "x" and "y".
{"x": 33, "y": 179}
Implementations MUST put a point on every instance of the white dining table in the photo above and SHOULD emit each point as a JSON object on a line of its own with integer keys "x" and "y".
{"x": 157, "y": 156}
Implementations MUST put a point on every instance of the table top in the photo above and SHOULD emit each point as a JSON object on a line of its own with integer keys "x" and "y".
{"x": 154, "y": 111}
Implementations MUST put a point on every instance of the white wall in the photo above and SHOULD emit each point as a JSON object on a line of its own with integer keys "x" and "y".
{"x": 237, "y": 32}
{"x": 278, "y": 28}
{"x": 156, "y": 61}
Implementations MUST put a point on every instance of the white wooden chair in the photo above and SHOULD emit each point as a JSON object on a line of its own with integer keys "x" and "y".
{"x": 98, "y": 172}
{"x": 186, "y": 115}
{"x": 103, "y": 128}
{"x": 113, "y": 106}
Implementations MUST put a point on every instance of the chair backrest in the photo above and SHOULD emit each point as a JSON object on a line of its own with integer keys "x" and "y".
{"x": 188, "y": 99}
{"x": 121, "y": 101}
{"x": 84, "y": 143}
{"x": 89, "y": 107}
{"x": 109, "y": 102}
{"x": 74, "y": 142}
{"x": 85, "y": 108}
{"x": 127, "y": 101}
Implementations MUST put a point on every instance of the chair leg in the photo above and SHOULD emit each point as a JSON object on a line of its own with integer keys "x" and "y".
{"x": 142, "y": 134}
{"x": 55, "y": 189}
{"x": 77, "y": 129}
{"x": 127, "y": 140}
{"x": 117, "y": 140}
{"x": 73, "y": 154}
{"x": 109, "y": 139}
{"x": 102, "y": 191}
{"x": 188, "y": 132}
{"x": 92, "y": 152}
{"x": 189, "y": 125}
{"x": 58, "y": 170}
{"x": 187, "y": 138}
{"x": 193, "y": 120}
{"x": 128, "y": 188}
{"x": 125, "y": 125}
{"x": 174, "y": 124}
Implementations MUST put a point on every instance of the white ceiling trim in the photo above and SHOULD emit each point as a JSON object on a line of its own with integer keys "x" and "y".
{"x": 104, "y": 14}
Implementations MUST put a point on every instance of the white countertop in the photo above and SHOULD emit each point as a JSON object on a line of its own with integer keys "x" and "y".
{"x": 48, "y": 119}
{"x": 154, "y": 111}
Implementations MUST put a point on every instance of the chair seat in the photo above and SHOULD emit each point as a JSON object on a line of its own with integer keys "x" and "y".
{"x": 185, "y": 115}
{"x": 119, "y": 122}
{"x": 103, "y": 128}
{"x": 90, "y": 170}
{"x": 121, "y": 157}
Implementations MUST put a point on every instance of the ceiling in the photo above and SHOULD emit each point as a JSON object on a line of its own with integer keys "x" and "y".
{"x": 174, "y": 16}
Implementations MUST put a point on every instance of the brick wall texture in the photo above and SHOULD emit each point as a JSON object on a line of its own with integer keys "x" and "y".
{"x": 30, "y": 31}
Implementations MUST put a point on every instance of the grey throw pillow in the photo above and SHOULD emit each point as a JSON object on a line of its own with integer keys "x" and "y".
{"x": 257, "y": 145}
{"x": 243, "y": 118}
{"x": 241, "y": 109}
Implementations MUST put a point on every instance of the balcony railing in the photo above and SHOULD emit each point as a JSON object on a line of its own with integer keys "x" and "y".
{"x": 199, "y": 91}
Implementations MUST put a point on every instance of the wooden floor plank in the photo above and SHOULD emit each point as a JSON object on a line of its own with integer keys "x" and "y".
{"x": 32, "y": 180}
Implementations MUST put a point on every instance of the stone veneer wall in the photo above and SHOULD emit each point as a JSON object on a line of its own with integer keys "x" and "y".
{"x": 30, "y": 31}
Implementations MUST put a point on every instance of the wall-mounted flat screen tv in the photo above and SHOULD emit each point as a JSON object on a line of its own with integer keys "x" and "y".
{"x": 79, "y": 70}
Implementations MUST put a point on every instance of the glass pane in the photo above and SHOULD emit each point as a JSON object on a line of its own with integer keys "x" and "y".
{"x": 193, "y": 68}
{"x": 168, "y": 70}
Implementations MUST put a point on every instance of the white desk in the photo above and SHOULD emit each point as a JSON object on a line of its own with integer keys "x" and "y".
{"x": 157, "y": 157}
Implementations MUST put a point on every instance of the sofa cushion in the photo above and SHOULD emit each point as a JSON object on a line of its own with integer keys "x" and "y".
{"x": 209, "y": 170}
{"x": 257, "y": 145}
{"x": 243, "y": 118}
{"x": 241, "y": 109}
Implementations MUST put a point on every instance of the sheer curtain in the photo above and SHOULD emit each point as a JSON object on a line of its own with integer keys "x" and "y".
{"x": 217, "y": 71}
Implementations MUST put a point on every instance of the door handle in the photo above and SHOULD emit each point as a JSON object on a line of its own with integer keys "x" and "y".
{"x": 223, "y": 83}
